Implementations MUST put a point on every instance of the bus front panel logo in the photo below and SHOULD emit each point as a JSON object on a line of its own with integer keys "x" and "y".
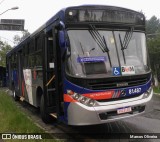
{"x": 127, "y": 70}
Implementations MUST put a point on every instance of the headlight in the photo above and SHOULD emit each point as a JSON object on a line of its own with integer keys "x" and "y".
{"x": 91, "y": 102}
{"x": 149, "y": 90}
{"x": 82, "y": 99}
{"x": 147, "y": 93}
{"x": 76, "y": 96}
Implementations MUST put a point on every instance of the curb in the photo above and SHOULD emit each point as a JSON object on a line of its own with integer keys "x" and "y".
{"x": 156, "y": 93}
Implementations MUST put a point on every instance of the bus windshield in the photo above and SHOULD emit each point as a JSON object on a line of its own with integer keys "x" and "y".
{"x": 95, "y": 54}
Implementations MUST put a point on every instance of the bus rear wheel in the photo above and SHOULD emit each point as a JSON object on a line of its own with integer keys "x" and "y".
{"x": 43, "y": 110}
{"x": 15, "y": 97}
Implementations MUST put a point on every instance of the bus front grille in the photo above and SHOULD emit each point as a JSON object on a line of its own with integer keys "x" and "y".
{"x": 111, "y": 82}
{"x": 103, "y": 85}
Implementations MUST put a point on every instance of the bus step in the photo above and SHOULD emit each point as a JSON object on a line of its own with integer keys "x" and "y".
{"x": 52, "y": 89}
{"x": 22, "y": 98}
{"x": 54, "y": 115}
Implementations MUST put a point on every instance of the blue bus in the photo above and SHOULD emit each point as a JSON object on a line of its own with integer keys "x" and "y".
{"x": 86, "y": 65}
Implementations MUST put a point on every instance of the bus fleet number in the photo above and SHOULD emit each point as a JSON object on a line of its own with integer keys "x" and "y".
{"x": 133, "y": 91}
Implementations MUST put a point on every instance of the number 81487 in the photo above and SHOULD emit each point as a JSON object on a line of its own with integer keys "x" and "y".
{"x": 134, "y": 91}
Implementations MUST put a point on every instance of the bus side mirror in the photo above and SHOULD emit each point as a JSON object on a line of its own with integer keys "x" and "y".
{"x": 62, "y": 41}
{"x": 64, "y": 44}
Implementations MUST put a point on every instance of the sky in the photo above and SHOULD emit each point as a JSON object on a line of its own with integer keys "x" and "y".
{"x": 37, "y": 12}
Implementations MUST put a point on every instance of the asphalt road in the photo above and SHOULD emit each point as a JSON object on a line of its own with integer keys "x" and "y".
{"x": 147, "y": 123}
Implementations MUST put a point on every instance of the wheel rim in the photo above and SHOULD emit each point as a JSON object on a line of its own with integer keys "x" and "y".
{"x": 14, "y": 94}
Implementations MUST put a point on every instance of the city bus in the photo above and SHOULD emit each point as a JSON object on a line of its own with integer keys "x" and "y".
{"x": 86, "y": 65}
{"x": 2, "y": 76}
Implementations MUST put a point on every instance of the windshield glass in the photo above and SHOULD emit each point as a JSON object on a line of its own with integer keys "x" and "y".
{"x": 97, "y": 54}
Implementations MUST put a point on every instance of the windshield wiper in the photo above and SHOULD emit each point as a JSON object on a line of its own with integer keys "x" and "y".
{"x": 97, "y": 37}
{"x": 107, "y": 50}
{"x": 100, "y": 41}
{"x": 81, "y": 47}
{"x": 124, "y": 44}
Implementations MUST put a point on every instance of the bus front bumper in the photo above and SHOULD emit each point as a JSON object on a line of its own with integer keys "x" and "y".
{"x": 79, "y": 114}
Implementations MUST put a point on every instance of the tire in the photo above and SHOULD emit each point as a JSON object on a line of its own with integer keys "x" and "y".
{"x": 15, "y": 97}
{"x": 44, "y": 115}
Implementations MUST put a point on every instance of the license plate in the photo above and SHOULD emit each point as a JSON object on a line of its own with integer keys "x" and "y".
{"x": 124, "y": 110}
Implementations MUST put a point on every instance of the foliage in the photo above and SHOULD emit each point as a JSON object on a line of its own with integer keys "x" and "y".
{"x": 17, "y": 39}
{"x": 4, "y": 48}
{"x": 152, "y": 25}
{"x": 153, "y": 43}
{"x": 156, "y": 90}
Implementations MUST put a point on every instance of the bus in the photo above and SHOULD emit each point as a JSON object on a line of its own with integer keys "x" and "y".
{"x": 86, "y": 65}
{"x": 2, "y": 76}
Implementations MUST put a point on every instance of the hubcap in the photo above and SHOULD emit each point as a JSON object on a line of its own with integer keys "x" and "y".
{"x": 14, "y": 94}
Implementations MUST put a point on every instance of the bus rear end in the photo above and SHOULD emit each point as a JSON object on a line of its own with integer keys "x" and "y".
{"x": 107, "y": 74}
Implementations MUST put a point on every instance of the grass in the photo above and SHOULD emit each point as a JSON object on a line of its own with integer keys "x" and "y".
{"x": 12, "y": 120}
{"x": 156, "y": 89}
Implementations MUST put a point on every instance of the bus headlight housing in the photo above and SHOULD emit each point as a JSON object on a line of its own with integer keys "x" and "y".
{"x": 147, "y": 93}
{"x": 82, "y": 99}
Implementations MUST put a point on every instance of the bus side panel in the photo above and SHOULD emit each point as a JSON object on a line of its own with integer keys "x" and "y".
{"x": 31, "y": 81}
{"x": 28, "y": 85}
{"x": 37, "y": 83}
{"x": 15, "y": 78}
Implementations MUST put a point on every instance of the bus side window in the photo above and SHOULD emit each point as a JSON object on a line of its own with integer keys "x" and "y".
{"x": 13, "y": 61}
{"x": 26, "y": 51}
{"x": 38, "y": 59}
{"x": 39, "y": 42}
{"x": 38, "y": 49}
{"x": 31, "y": 61}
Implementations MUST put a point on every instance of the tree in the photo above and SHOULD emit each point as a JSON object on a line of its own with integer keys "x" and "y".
{"x": 4, "y": 48}
{"x": 152, "y": 25}
{"x": 153, "y": 44}
{"x": 17, "y": 39}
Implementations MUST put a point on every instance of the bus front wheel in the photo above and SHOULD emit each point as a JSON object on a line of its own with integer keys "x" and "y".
{"x": 43, "y": 110}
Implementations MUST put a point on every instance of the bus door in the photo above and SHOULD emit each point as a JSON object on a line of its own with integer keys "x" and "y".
{"x": 50, "y": 73}
{"x": 58, "y": 72}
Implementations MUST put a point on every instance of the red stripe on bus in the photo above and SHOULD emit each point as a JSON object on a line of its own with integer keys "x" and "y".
{"x": 100, "y": 95}
{"x": 119, "y": 92}
{"x": 68, "y": 98}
